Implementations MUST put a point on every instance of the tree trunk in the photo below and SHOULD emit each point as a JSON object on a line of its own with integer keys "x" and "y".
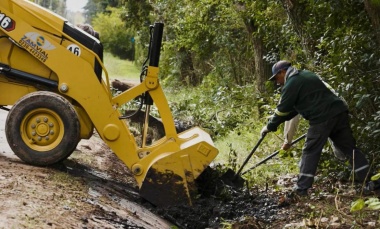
{"x": 373, "y": 11}
{"x": 261, "y": 67}
{"x": 295, "y": 10}
{"x": 261, "y": 72}
{"x": 187, "y": 70}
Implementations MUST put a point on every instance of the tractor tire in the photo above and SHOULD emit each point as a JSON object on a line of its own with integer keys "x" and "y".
{"x": 42, "y": 128}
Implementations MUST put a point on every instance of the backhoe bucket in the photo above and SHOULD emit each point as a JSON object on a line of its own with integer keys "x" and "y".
{"x": 170, "y": 180}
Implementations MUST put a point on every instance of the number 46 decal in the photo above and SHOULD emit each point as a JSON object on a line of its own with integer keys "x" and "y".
{"x": 75, "y": 49}
{"x": 6, "y": 22}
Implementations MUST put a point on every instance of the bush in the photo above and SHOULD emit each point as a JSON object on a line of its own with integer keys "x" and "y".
{"x": 116, "y": 38}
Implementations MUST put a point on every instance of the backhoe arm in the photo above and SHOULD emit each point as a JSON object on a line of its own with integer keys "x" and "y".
{"x": 165, "y": 171}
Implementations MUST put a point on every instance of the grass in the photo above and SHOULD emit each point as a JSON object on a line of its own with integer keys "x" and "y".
{"x": 242, "y": 144}
{"x": 120, "y": 69}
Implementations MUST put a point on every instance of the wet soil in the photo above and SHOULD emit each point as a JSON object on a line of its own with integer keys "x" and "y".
{"x": 219, "y": 203}
{"x": 94, "y": 189}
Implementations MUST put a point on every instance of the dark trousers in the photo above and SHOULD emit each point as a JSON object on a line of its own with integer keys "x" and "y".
{"x": 339, "y": 131}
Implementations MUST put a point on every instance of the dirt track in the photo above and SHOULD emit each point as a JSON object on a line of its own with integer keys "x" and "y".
{"x": 92, "y": 189}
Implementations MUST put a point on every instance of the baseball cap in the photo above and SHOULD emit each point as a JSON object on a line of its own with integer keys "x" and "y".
{"x": 280, "y": 65}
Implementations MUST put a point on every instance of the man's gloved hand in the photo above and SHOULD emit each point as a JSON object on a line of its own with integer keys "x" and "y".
{"x": 286, "y": 146}
{"x": 264, "y": 131}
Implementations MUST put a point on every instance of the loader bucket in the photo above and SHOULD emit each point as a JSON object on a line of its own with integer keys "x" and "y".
{"x": 170, "y": 180}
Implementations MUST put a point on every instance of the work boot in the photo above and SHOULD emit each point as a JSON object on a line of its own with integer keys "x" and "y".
{"x": 300, "y": 192}
{"x": 296, "y": 195}
{"x": 371, "y": 186}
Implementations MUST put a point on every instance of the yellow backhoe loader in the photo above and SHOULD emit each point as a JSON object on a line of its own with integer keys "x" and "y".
{"x": 53, "y": 78}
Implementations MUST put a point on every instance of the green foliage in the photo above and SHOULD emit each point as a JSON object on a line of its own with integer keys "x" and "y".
{"x": 370, "y": 204}
{"x": 373, "y": 203}
{"x": 138, "y": 16}
{"x": 375, "y": 177}
{"x": 206, "y": 37}
{"x": 116, "y": 38}
{"x": 94, "y": 7}
{"x": 230, "y": 115}
{"x": 357, "y": 205}
{"x": 137, "y": 13}
{"x": 217, "y": 108}
{"x": 211, "y": 44}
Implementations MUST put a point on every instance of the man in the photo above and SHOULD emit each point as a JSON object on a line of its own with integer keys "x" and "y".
{"x": 305, "y": 93}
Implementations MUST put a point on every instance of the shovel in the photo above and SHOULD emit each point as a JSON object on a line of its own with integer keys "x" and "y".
{"x": 234, "y": 179}
{"x": 272, "y": 155}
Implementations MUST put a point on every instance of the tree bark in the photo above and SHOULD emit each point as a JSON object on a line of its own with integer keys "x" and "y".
{"x": 261, "y": 71}
{"x": 187, "y": 70}
{"x": 261, "y": 67}
{"x": 295, "y": 10}
{"x": 373, "y": 11}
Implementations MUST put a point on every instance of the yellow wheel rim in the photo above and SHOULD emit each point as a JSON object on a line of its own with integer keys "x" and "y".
{"x": 42, "y": 129}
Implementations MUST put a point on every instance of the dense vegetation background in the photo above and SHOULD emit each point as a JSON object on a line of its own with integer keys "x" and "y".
{"x": 220, "y": 52}
{"x": 225, "y": 50}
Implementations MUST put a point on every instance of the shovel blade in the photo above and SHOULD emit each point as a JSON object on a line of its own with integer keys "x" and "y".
{"x": 232, "y": 179}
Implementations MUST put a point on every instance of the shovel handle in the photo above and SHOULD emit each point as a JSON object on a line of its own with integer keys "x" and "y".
{"x": 250, "y": 155}
{"x": 272, "y": 155}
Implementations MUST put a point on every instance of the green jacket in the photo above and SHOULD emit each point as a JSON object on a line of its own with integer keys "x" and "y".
{"x": 305, "y": 93}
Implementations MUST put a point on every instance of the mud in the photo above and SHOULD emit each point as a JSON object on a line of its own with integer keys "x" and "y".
{"x": 219, "y": 203}
{"x": 163, "y": 189}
